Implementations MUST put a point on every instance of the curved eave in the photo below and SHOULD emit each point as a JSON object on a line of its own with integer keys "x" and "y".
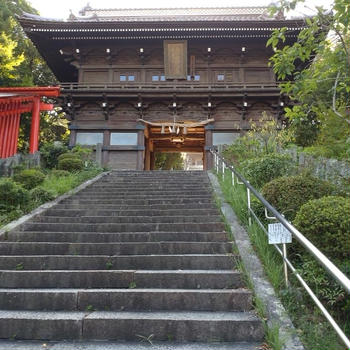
{"x": 49, "y": 26}
{"x": 49, "y": 36}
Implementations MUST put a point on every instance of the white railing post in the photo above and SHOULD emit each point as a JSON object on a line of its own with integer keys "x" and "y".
{"x": 249, "y": 207}
{"x": 285, "y": 267}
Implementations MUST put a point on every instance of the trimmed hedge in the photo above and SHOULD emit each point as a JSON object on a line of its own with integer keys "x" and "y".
{"x": 288, "y": 193}
{"x": 70, "y": 164}
{"x": 29, "y": 178}
{"x": 326, "y": 222}
{"x": 12, "y": 195}
{"x": 68, "y": 155}
{"x": 260, "y": 171}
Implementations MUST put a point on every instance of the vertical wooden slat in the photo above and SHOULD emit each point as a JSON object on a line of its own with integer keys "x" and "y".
{"x": 18, "y": 119}
{"x": 34, "y": 131}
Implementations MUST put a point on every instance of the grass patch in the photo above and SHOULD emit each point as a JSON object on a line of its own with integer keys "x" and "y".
{"x": 57, "y": 185}
{"x": 61, "y": 185}
{"x": 313, "y": 329}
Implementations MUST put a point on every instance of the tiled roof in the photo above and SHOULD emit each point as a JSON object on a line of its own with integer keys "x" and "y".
{"x": 175, "y": 14}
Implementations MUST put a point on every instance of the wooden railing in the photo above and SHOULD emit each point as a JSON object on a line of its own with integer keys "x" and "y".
{"x": 174, "y": 86}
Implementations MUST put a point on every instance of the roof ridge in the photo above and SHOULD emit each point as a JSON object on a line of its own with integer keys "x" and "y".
{"x": 178, "y": 8}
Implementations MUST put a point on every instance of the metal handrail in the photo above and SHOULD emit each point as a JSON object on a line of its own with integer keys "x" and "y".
{"x": 332, "y": 270}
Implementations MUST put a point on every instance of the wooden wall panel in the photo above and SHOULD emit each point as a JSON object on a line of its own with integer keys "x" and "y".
{"x": 89, "y": 113}
{"x": 158, "y": 112}
{"x": 97, "y": 76}
{"x": 123, "y": 160}
{"x": 257, "y": 75}
{"x": 124, "y": 115}
{"x": 192, "y": 112}
{"x": 129, "y": 55}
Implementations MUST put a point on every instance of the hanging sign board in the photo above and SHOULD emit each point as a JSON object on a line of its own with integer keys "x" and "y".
{"x": 278, "y": 234}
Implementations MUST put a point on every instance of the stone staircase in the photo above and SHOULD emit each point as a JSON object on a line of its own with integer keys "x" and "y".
{"x": 136, "y": 256}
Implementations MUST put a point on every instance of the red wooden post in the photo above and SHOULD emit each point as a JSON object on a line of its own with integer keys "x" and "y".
{"x": 2, "y": 133}
{"x": 34, "y": 131}
{"x": 18, "y": 119}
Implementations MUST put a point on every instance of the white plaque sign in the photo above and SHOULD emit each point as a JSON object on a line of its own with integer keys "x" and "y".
{"x": 278, "y": 234}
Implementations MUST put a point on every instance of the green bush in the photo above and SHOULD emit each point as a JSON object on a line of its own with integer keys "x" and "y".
{"x": 40, "y": 195}
{"x": 326, "y": 288}
{"x": 29, "y": 178}
{"x": 68, "y": 155}
{"x": 83, "y": 152}
{"x": 261, "y": 170}
{"x": 288, "y": 193}
{"x": 59, "y": 173}
{"x": 12, "y": 195}
{"x": 70, "y": 164}
{"x": 326, "y": 222}
{"x": 50, "y": 152}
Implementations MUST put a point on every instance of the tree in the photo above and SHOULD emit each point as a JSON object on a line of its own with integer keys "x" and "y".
{"x": 316, "y": 69}
{"x": 9, "y": 60}
{"x": 169, "y": 161}
{"x": 21, "y": 65}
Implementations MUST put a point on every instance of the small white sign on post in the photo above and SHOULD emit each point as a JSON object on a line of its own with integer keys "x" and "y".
{"x": 278, "y": 234}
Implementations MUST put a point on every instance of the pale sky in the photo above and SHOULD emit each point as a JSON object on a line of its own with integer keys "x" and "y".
{"x": 61, "y": 8}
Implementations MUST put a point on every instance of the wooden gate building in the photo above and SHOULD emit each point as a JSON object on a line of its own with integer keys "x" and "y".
{"x": 141, "y": 81}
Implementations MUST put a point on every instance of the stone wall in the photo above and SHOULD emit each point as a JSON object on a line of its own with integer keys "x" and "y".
{"x": 28, "y": 160}
{"x": 332, "y": 170}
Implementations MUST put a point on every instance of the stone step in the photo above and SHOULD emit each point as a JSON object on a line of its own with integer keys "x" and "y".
{"x": 125, "y": 227}
{"x": 142, "y": 192}
{"x": 138, "y": 201}
{"x": 125, "y": 212}
{"x": 143, "y": 196}
{"x": 121, "y": 262}
{"x": 128, "y": 219}
{"x": 90, "y": 237}
{"x": 132, "y": 326}
{"x": 126, "y": 299}
{"x": 183, "y": 279}
{"x": 130, "y": 248}
{"x": 96, "y": 206}
{"x": 150, "y": 187}
{"x": 120, "y": 345}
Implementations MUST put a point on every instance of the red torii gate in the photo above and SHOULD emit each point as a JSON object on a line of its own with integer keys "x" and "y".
{"x": 14, "y": 102}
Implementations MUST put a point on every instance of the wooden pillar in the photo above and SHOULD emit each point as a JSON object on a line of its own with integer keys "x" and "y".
{"x": 34, "y": 131}
{"x": 12, "y": 135}
{"x": 207, "y": 161}
{"x": 148, "y": 152}
{"x": 106, "y": 143}
{"x": 2, "y": 134}
{"x": 140, "y": 152}
{"x": 72, "y": 138}
{"x": 152, "y": 161}
{"x": 18, "y": 119}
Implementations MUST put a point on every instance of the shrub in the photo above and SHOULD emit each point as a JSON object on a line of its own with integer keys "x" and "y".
{"x": 59, "y": 173}
{"x": 261, "y": 170}
{"x": 12, "y": 195}
{"x": 40, "y": 195}
{"x": 83, "y": 152}
{"x": 327, "y": 289}
{"x": 29, "y": 178}
{"x": 326, "y": 222}
{"x": 50, "y": 152}
{"x": 288, "y": 193}
{"x": 70, "y": 164}
{"x": 68, "y": 155}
